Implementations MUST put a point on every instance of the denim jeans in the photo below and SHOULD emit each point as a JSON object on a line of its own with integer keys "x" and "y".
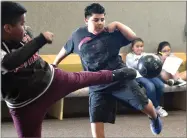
{"x": 154, "y": 89}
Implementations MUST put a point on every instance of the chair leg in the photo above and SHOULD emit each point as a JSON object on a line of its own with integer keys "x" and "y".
{"x": 56, "y": 110}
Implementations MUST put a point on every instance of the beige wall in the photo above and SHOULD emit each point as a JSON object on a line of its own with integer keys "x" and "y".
{"x": 153, "y": 21}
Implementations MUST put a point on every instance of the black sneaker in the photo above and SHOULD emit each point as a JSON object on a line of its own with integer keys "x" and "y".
{"x": 180, "y": 82}
{"x": 124, "y": 74}
{"x": 171, "y": 82}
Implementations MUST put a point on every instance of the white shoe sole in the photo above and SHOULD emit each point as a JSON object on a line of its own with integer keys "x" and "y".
{"x": 182, "y": 84}
{"x": 164, "y": 115}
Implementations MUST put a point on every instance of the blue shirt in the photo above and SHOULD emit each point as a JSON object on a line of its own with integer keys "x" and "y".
{"x": 98, "y": 52}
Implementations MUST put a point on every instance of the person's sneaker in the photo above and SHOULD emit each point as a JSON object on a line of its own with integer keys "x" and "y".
{"x": 171, "y": 82}
{"x": 180, "y": 82}
{"x": 156, "y": 125}
{"x": 161, "y": 111}
{"x": 124, "y": 74}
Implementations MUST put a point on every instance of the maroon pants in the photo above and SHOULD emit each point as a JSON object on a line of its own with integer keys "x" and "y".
{"x": 28, "y": 119}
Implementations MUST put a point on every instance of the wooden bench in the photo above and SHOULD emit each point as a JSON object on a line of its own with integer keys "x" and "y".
{"x": 72, "y": 63}
{"x": 69, "y": 104}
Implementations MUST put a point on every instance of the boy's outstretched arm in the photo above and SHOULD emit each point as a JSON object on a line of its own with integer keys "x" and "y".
{"x": 12, "y": 60}
{"x": 125, "y": 30}
{"x": 61, "y": 55}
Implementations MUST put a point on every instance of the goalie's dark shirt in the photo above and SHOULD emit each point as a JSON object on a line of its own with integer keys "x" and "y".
{"x": 98, "y": 52}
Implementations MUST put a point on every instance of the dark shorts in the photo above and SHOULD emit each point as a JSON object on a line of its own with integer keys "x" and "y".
{"x": 102, "y": 106}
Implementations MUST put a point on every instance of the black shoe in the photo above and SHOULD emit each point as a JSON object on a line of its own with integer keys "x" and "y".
{"x": 124, "y": 74}
{"x": 171, "y": 82}
{"x": 180, "y": 82}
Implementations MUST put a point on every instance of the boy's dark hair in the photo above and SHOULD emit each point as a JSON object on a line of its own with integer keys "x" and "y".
{"x": 162, "y": 45}
{"x": 94, "y": 8}
{"x": 11, "y": 12}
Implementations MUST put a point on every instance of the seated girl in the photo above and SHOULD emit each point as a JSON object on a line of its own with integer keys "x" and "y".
{"x": 164, "y": 51}
{"x": 154, "y": 86}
